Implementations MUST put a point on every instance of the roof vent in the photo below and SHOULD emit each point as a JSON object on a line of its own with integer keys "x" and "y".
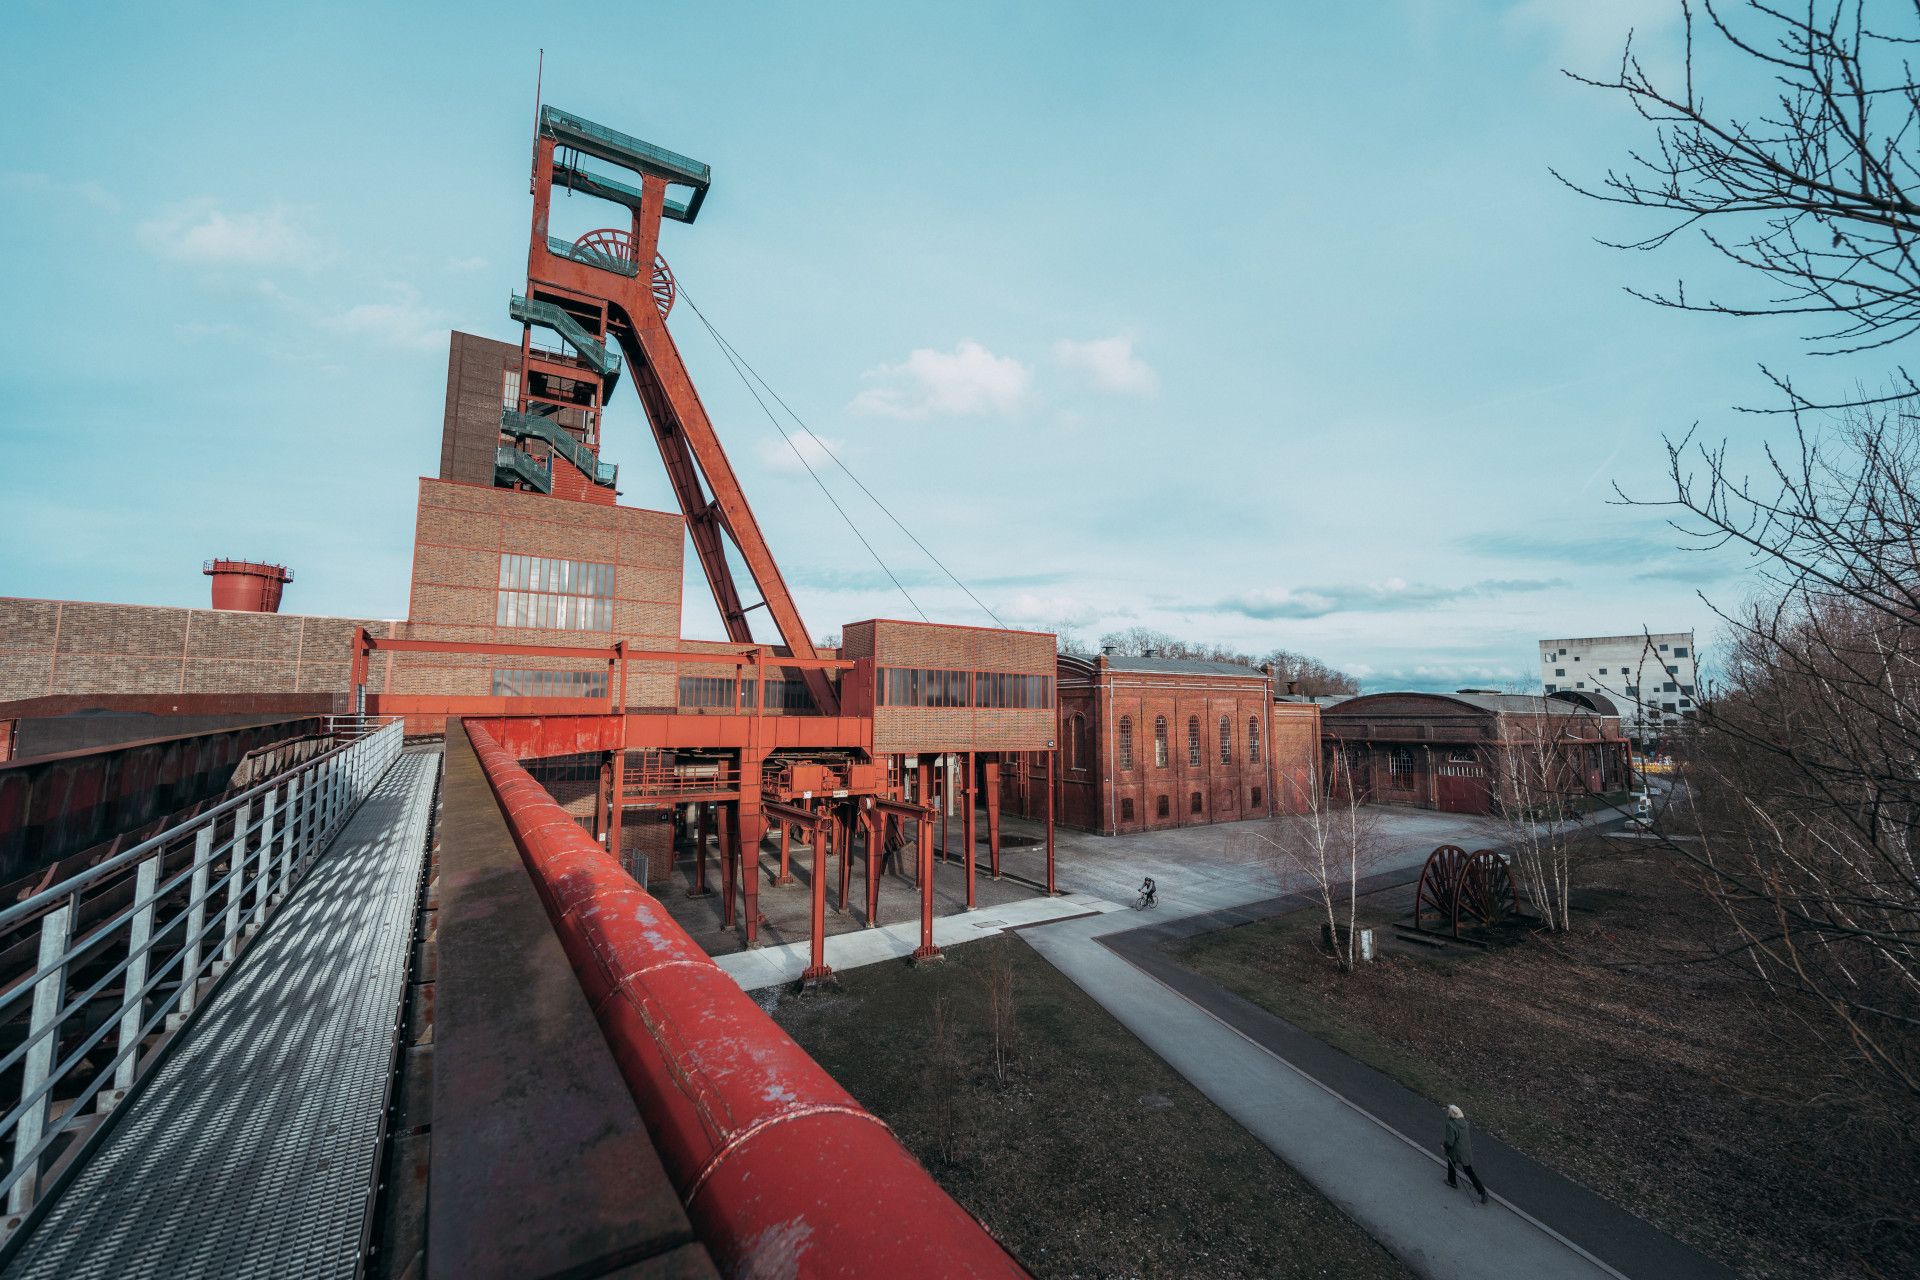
{"x": 1150, "y": 653}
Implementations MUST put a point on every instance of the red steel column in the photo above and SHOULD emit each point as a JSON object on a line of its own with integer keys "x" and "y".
{"x": 966, "y": 824}
{"x": 752, "y": 825}
{"x": 817, "y": 970}
{"x": 944, "y": 782}
{"x": 871, "y": 824}
{"x": 702, "y": 823}
{"x": 729, "y": 835}
{"x": 993, "y": 815}
{"x": 843, "y": 844}
{"x": 786, "y": 841}
{"x": 926, "y": 951}
{"x": 619, "y": 805}
{"x": 1050, "y": 888}
{"x": 600, "y": 802}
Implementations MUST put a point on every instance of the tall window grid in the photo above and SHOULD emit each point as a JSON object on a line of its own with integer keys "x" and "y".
{"x": 558, "y": 595}
{"x": 1226, "y": 740}
{"x": 523, "y": 683}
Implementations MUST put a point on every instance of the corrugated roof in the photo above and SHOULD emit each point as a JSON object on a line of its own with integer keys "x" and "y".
{"x": 1513, "y": 704}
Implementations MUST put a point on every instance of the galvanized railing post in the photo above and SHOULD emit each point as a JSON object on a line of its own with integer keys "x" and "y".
{"x": 236, "y": 879}
{"x": 263, "y": 880}
{"x": 196, "y": 918}
{"x": 49, "y": 993}
{"x": 290, "y": 839}
{"x": 133, "y": 1005}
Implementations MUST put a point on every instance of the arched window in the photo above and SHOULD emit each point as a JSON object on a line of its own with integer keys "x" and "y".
{"x": 1126, "y": 743}
{"x": 1253, "y": 741}
{"x": 1076, "y": 742}
{"x": 1226, "y": 740}
{"x": 1160, "y": 745}
{"x": 1193, "y": 742}
{"x": 1162, "y": 808}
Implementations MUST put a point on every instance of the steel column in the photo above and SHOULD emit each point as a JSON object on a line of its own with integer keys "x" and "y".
{"x": 817, "y": 970}
{"x": 966, "y": 822}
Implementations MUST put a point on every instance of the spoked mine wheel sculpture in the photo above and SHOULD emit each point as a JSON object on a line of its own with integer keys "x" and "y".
{"x": 617, "y": 247}
{"x": 1460, "y": 888}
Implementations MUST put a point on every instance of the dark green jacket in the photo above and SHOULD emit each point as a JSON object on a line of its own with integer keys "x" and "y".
{"x": 1459, "y": 1141}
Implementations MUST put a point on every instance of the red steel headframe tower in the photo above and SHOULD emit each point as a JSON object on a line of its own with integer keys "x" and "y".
{"x": 612, "y": 287}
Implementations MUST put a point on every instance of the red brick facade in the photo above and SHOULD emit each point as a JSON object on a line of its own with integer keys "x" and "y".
{"x": 56, "y": 647}
{"x": 924, "y": 646}
{"x": 1114, "y": 776}
{"x": 461, "y": 533}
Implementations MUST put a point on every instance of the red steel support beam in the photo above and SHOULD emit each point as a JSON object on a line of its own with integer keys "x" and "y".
{"x": 779, "y": 1167}
{"x": 993, "y": 814}
{"x": 871, "y": 825}
{"x": 926, "y": 950}
{"x": 966, "y": 824}
{"x": 1050, "y": 888}
{"x": 615, "y": 840}
{"x": 786, "y": 842}
{"x": 817, "y": 970}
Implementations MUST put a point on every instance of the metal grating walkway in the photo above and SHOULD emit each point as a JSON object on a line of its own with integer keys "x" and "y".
{"x": 250, "y": 1152}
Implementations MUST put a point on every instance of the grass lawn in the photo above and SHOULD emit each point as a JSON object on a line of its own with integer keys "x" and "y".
{"x": 1087, "y": 1155}
{"x": 1604, "y": 1054}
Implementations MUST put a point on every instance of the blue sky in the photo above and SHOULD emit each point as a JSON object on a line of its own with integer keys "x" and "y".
{"x": 1262, "y": 324}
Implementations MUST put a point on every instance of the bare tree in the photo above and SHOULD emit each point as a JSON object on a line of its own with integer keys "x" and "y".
{"x": 1002, "y": 1014}
{"x": 942, "y": 1077}
{"x": 1813, "y": 189}
{"x": 1541, "y": 798}
{"x": 1333, "y": 842}
{"x": 1311, "y": 674}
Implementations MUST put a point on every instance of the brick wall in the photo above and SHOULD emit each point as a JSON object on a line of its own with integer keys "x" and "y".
{"x": 72, "y": 647}
{"x": 909, "y": 730}
{"x": 460, "y": 534}
{"x": 476, "y": 367}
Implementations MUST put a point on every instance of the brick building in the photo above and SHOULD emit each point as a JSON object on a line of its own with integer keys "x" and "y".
{"x": 1148, "y": 743}
{"x": 1468, "y": 752}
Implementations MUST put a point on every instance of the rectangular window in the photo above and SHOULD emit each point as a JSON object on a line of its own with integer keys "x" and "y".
{"x": 510, "y": 389}
{"x": 1679, "y": 651}
{"x": 707, "y": 691}
{"x": 1400, "y": 766}
{"x": 557, "y": 595}
{"x": 1551, "y": 688}
{"x": 520, "y": 683}
{"x": 1560, "y": 671}
{"x": 788, "y": 693}
{"x": 918, "y": 687}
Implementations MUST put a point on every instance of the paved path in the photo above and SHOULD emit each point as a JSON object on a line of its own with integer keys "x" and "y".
{"x": 1366, "y": 1142}
{"x": 771, "y": 966}
{"x": 250, "y": 1152}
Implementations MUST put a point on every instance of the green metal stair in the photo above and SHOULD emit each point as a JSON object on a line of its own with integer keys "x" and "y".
{"x": 524, "y": 426}
{"x": 549, "y": 316}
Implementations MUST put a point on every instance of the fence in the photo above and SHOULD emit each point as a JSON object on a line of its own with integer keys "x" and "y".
{"x": 106, "y": 952}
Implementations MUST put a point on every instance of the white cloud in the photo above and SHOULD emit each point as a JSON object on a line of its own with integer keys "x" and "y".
{"x": 200, "y": 232}
{"x": 929, "y": 383}
{"x": 401, "y": 322}
{"x": 778, "y": 455}
{"x": 466, "y": 264}
{"x": 1111, "y": 363}
{"x": 1052, "y": 612}
{"x": 1588, "y": 37}
{"x": 44, "y": 184}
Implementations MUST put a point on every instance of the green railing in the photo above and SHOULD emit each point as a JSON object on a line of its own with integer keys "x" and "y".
{"x": 630, "y": 152}
{"x": 590, "y": 258}
{"x": 586, "y": 182}
{"x": 524, "y": 426}
{"x": 547, "y": 315}
{"x": 512, "y": 465}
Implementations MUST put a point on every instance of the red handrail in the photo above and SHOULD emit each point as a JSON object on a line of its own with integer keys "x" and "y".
{"x": 782, "y": 1172}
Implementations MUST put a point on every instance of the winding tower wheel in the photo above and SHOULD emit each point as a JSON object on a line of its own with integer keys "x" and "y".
{"x": 1485, "y": 891}
{"x": 617, "y": 247}
{"x": 1439, "y": 889}
{"x": 664, "y": 289}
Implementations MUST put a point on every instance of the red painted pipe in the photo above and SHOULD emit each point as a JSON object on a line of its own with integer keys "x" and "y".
{"x": 782, "y": 1172}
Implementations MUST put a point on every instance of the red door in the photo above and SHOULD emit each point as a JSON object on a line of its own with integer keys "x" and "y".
{"x": 1462, "y": 788}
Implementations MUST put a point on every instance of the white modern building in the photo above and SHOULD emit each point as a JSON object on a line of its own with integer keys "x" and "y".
{"x": 1651, "y": 678}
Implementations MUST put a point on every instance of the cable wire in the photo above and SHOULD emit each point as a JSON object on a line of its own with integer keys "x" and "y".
{"x": 733, "y": 359}
{"x": 734, "y": 355}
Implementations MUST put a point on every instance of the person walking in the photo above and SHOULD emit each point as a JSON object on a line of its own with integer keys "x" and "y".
{"x": 1459, "y": 1147}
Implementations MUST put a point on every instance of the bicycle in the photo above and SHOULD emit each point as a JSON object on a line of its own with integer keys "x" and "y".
{"x": 1149, "y": 895}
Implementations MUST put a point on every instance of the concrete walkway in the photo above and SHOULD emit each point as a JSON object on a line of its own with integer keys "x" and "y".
{"x": 771, "y": 966}
{"x": 1367, "y": 1143}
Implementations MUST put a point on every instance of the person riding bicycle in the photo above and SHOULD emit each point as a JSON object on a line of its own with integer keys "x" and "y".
{"x": 1148, "y": 893}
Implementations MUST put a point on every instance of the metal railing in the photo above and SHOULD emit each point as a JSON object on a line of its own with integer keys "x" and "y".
{"x": 129, "y": 961}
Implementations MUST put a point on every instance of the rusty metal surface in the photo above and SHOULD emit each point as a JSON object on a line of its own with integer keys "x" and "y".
{"x": 783, "y": 1172}
{"x": 541, "y": 1165}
